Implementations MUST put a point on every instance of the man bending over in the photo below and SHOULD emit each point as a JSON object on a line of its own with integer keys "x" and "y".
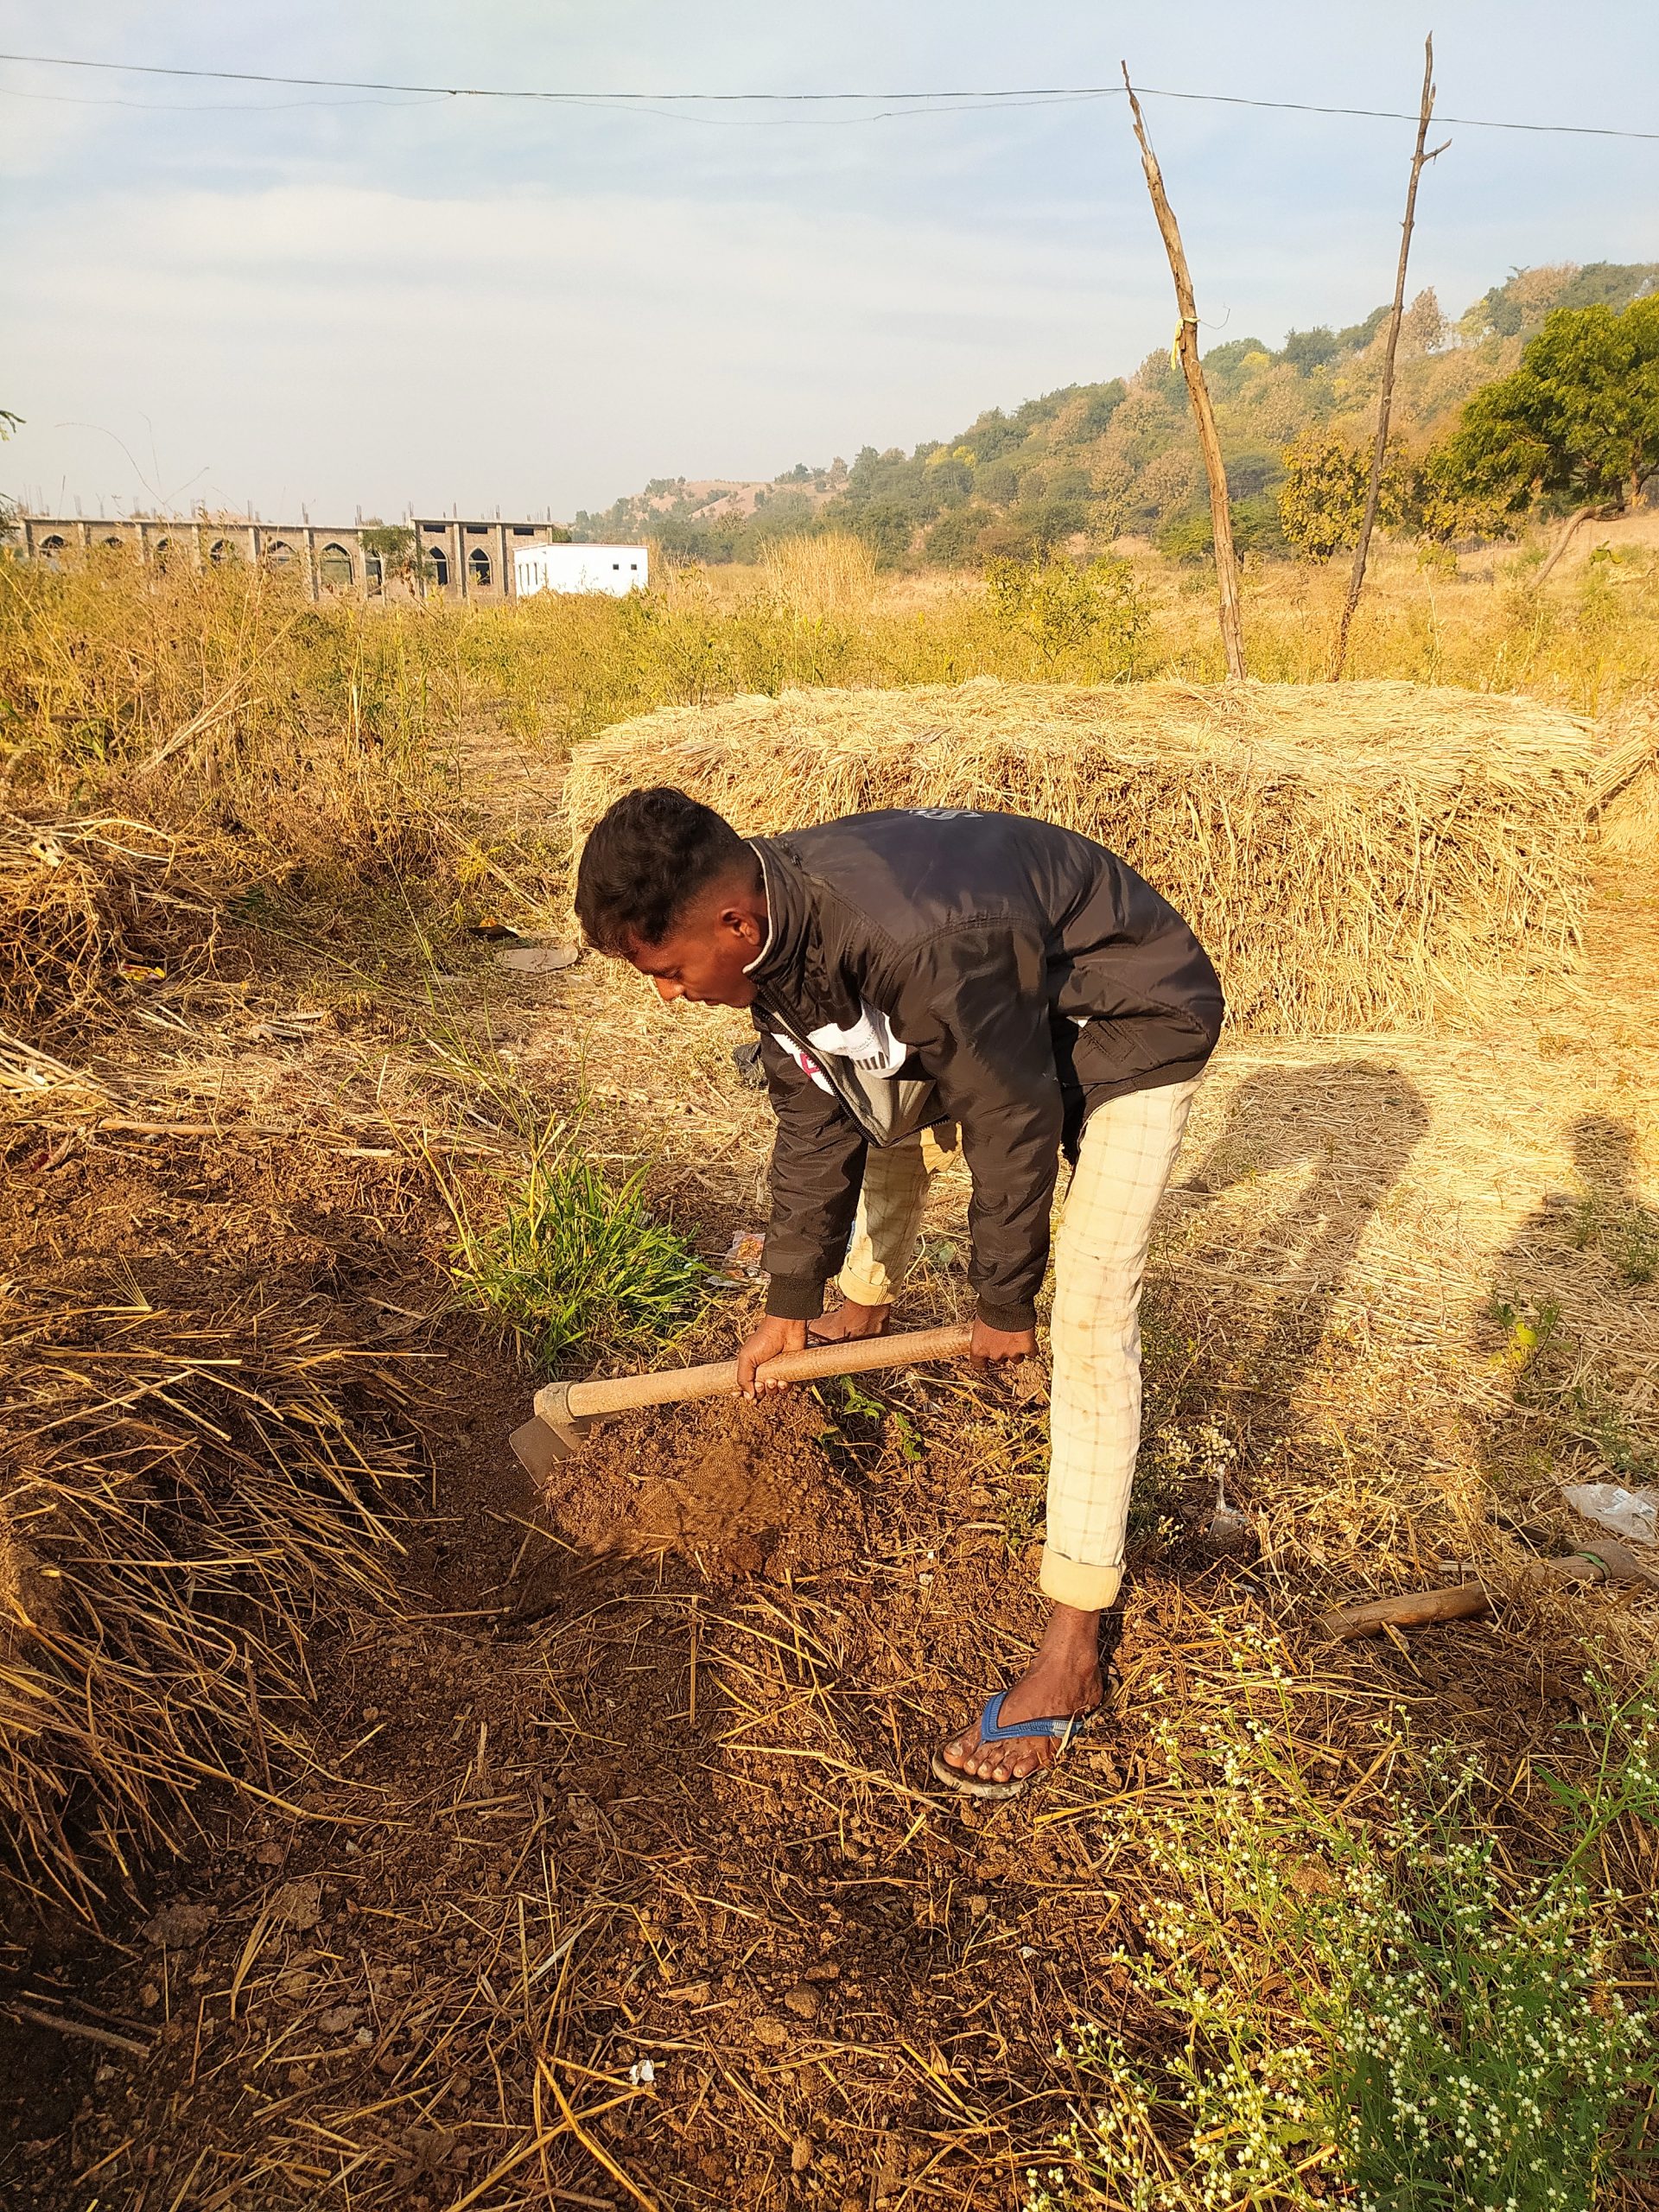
{"x": 923, "y": 979}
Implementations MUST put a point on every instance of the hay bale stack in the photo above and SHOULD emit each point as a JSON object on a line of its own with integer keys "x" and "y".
{"x": 1360, "y": 857}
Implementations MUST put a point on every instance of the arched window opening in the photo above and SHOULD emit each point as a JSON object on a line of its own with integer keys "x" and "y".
{"x": 335, "y": 569}
{"x": 478, "y": 561}
{"x": 279, "y": 553}
{"x": 220, "y": 551}
{"x": 112, "y": 541}
{"x": 51, "y": 550}
{"x": 374, "y": 575}
{"x": 440, "y": 565}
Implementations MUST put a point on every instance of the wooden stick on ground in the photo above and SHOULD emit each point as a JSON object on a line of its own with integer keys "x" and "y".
{"x": 1187, "y": 342}
{"x": 1419, "y": 160}
{"x": 1603, "y": 1560}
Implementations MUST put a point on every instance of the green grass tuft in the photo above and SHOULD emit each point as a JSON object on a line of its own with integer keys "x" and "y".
{"x": 577, "y": 1263}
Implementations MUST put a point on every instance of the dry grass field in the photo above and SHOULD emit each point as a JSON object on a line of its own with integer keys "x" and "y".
{"x": 378, "y": 1835}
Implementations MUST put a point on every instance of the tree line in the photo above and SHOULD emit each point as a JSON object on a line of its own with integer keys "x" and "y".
{"x": 1539, "y": 400}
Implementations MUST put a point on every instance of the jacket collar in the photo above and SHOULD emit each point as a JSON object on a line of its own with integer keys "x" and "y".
{"x": 797, "y": 975}
{"x": 778, "y": 969}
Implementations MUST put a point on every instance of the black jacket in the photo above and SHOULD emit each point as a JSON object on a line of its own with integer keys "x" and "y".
{"x": 1032, "y": 973}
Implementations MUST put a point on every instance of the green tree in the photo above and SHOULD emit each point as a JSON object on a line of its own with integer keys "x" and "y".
{"x": 886, "y": 528}
{"x": 1576, "y": 423}
{"x": 1323, "y": 496}
{"x": 953, "y": 542}
{"x": 398, "y": 550}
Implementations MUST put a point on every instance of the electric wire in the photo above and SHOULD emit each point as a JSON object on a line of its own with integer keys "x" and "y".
{"x": 987, "y": 97}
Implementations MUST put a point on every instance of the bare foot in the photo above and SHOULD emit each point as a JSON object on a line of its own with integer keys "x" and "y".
{"x": 850, "y": 1320}
{"x": 1064, "y": 1679}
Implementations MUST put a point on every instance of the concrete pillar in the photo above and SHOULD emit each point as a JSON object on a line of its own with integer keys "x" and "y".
{"x": 503, "y": 562}
{"x": 310, "y": 535}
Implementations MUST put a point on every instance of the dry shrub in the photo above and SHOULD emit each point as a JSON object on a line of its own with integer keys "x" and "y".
{"x": 188, "y": 1497}
{"x": 218, "y": 702}
{"x": 81, "y": 900}
{"x": 1357, "y": 856}
{"x": 828, "y": 578}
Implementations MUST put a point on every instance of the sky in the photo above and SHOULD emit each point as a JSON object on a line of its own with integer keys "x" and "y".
{"x": 271, "y": 298}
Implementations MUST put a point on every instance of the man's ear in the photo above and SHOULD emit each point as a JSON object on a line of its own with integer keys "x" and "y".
{"x": 741, "y": 923}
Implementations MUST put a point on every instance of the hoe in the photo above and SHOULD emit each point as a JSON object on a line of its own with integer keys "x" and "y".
{"x": 565, "y": 1412}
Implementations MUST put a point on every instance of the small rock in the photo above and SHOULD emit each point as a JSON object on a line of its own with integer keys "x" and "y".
{"x": 296, "y": 1984}
{"x": 694, "y": 1993}
{"x": 339, "y": 2018}
{"x": 803, "y": 2001}
{"x": 800, "y": 2154}
{"x": 363, "y": 2038}
{"x": 150, "y": 1996}
{"x": 271, "y": 1854}
{"x": 298, "y": 1903}
{"x": 179, "y": 1926}
{"x": 772, "y": 2033}
{"x": 978, "y": 1906}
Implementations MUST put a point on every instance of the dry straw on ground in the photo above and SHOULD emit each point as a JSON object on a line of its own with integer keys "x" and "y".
{"x": 188, "y": 1497}
{"x": 1372, "y": 856}
{"x": 80, "y": 900}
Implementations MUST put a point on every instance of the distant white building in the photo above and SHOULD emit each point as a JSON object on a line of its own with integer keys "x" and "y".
{"x": 616, "y": 569}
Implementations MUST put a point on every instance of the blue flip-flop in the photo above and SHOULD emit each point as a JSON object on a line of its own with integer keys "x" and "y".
{"x": 1064, "y": 1729}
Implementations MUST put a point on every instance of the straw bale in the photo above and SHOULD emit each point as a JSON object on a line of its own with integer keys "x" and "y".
{"x": 1626, "y": 795}
{"x": 1355, "y": 857}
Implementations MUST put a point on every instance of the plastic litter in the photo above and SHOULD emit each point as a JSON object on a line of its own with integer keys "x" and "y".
{"x": 538, "y": 959}
{"x": 1632, "y": 1513}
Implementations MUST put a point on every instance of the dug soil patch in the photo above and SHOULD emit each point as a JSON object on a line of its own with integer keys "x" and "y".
{"x": 733, "y": 1489}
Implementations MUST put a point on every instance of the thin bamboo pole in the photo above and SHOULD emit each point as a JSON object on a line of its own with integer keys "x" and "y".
{"x": 1419, "y": 160}
{"x": 1186, "y": 344}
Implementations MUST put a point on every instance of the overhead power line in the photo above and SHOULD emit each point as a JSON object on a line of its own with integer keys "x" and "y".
{"x": 996, "y": 96}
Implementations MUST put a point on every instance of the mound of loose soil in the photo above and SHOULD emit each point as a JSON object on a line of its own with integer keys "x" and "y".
{"x": 732, "y": 1488}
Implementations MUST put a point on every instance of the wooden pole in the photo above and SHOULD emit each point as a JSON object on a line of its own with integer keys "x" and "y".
{"x": 1186, "y": 343}
{"x": 1419, "y": 160}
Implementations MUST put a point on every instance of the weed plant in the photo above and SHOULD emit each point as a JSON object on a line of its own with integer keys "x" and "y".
{"x": 1396, "y": 2016}
{"x": 576, "y": 1262}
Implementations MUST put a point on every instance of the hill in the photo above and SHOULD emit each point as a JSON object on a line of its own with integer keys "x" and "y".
{"x": 1093, "y": 462}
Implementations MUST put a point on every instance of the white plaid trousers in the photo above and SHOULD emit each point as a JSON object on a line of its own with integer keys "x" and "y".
{"x": 1128, "y": 1149}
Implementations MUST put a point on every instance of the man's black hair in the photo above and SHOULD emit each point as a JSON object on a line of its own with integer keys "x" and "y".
{"x": 646, "y": 859}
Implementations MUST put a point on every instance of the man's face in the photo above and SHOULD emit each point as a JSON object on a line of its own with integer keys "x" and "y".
{"x": 704, "y": 955}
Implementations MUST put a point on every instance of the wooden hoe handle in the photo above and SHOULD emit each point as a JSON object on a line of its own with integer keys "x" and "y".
{"x": 671, "y": 1386}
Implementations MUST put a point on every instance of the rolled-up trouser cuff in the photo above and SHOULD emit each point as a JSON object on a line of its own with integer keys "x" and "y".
{"x": 1068, "y": 1582}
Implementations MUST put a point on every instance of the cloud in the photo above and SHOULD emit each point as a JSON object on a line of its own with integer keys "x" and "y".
{"x": 531, "y": 349}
